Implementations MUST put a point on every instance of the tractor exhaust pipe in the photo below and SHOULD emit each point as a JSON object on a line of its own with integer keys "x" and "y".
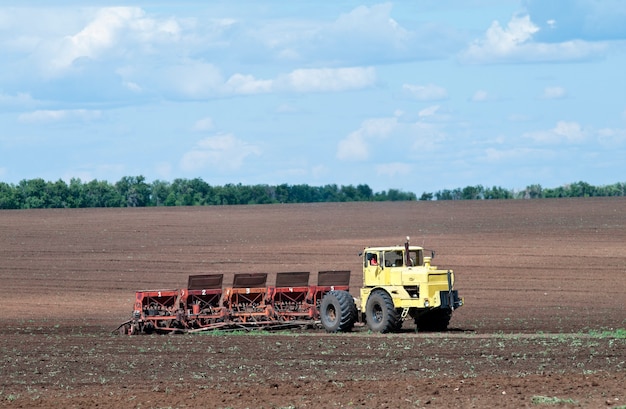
{"x": 450, "y": 294}
{"x": 407, "y": 257}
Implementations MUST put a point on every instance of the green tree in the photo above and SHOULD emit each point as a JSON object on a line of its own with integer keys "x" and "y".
{"x": 202, "y": 192}
{"x": 329, "y": 193}
{"x": 302, "y": 194}
{"x": 581, "y": 189}
{"x": 58, "y": 194}
{"x": 260, "y": 194}
{"x": 75, "y": 193}
{"x": 33, "y": 194}
{"x": 497, "y": 192}
{"x": 99, "y": 193}
{"x": 160, "y": 192}
{"x": 426, "y": 196}
{"x": 472, "y": 192}
{"x": 365, "y": 193}
{"x": 8, "y": 199}
{"x": 533, "y": 192}
{"x": 134, "y": 190}
{"x": 348, "y": 193}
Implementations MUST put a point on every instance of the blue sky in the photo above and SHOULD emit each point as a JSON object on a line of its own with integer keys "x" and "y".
{"x": 412, "y": 95}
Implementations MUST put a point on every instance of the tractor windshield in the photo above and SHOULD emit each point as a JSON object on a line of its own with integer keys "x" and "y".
{"x": 396, "y": 258}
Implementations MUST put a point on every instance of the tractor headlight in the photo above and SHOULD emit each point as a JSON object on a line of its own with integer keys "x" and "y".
{"x": 426, "y": 303}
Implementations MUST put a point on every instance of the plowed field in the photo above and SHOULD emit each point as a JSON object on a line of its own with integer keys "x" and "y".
{"x": 544, "y": 283}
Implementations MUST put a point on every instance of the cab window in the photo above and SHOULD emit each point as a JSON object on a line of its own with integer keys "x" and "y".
{"x": 416, "y": 257}
{"x": 371, "y": 259}
{"x": 393, "y": 259}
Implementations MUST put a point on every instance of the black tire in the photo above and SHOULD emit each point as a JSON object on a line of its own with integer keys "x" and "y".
{"x": 337, "y": 311}
{"x": 434, "y": 320}
{"x": 380, "y": 313}
{"x": 400, "y": 322}
{"x": 148, "y": 328}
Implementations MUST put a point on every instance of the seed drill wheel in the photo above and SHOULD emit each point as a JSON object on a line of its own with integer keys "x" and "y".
{"x": 380, "y": 313}
{"x": 337, "y": 311}
{"x": 124, "y": 329}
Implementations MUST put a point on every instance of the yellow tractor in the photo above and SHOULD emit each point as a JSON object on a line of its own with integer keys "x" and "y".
{"x": 398, "y": 282}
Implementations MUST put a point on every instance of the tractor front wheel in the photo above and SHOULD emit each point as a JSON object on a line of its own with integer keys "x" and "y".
{"x": 337, "y": 311}
{"x": 380, "y": 312}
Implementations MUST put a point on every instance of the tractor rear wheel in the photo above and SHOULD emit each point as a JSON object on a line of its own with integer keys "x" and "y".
{"x": 338, "y": 311}
{"x": 380, "y": 313}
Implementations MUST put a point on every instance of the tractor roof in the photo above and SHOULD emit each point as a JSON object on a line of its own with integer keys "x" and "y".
{"x": 393, "y": 248}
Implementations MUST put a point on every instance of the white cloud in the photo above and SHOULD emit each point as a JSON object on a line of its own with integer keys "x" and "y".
{"x": 19, "y": 101}
{"x": 191, "y": 79}
{"x": 204, "y": 124}
{"x": 330, "y": 79}
{"x": 563, "y": 132}
{"x": 392, "y": 138}
{"x": 480, "y": 96}
{"x": 582, "y": 19}
{"x": 373, "y": 25}
{"x": 320, "y": 171}
{"x": 430, "y": 111}
{"x": 118, "y": 30}
{"x": 199, "y": 80}
{"x": 305, "y": 80}
{"x": 572, "y": 133}
{"x": 518, "y": 31}
{"x": 355, "y": 147}
{"x": 424, "y": 137}
{"x": 429, "y": 92}
{"x": 394, "y": 169}
{"x": 358, "y": 37}
{"x": 222, "y": 152}
{"x": 378, "y": 127}
{"x": 240, "y": 84}
{"x": 286, "y": 109}
{"x": 362, "y": 36}
{"x": 554, "y": 93}
{"x": 612, "y": 137}
{"x": 504, "y": 155}
{"x": 163, "y": 170}
{"x": 132, "y": 86}
{"x": 21, "y": 98}
{"x": 44, "y": 116}
{"x": 514, "y": 43}
{"x": 517, "y": 117}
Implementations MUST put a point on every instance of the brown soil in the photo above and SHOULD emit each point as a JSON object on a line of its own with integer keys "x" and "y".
{"x": 544, "y": 284}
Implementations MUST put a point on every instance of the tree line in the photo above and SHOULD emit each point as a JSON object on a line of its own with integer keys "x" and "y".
{"x": 536, "y": 191}
{"x": 135, "y": 191}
